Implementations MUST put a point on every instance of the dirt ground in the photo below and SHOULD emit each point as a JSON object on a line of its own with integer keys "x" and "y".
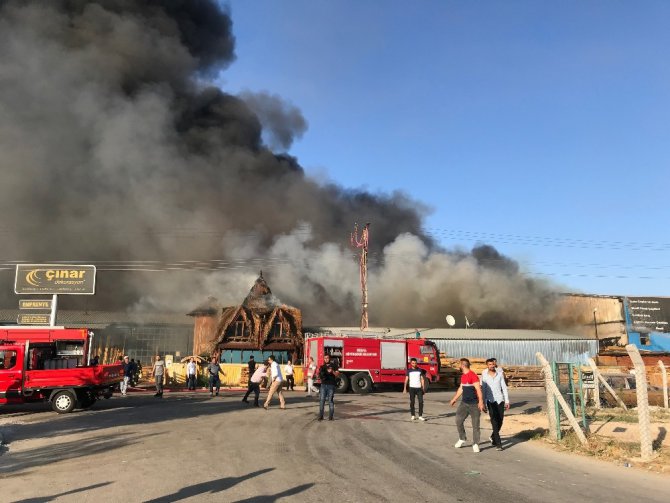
{"x": 187, "y": 446}
{"x": 614, "y": 436}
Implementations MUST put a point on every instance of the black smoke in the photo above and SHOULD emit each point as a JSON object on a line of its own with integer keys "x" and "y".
{"x": 116, "y": 149}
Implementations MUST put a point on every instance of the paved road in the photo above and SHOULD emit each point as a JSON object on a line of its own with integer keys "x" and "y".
{"x": 186, "y": 447}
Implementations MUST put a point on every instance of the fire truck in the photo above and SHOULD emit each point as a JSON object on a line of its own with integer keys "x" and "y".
{"x": 368, "y": 359}
{"x": 51, "y": 364}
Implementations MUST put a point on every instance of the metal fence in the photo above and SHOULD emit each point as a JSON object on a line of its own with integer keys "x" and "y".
{"x": 521, "y": 352}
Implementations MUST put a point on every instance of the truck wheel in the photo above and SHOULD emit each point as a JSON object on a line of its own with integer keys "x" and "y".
{"x": 361, "y": 383}
{"x": 63, "y": 402}
{"x": 343, "y": 383}
{"x": 86, "y": 400}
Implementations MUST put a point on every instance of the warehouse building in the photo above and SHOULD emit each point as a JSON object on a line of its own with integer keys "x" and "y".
{"x": 510, "y": 347}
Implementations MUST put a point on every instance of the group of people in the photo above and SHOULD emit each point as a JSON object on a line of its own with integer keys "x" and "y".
{"x": 271, "y": 371}
{"x": 488, "y": 395}
{"x": 131, "y": 371}
{"x": 476, "y": 397}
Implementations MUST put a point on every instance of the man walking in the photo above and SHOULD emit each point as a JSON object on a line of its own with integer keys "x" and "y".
{"x": 250, "y": 385}
{"x": 311, "y": 370}
{"x": 158, "y": 372}
{"x": 191, "y": 374}
{"x": 288, "y": 373}
{"x": 214, "y": 369}
{"x": 255, "y": 384}
{"x": 328, "y": 374}
{"x": 415, "y": 377}
{"x": 496, "y": 396}
{"x": 276, "y": 381}
{"x": 472, "y": 404}
{"x": 135, "y": 372}
{"x": 127, "y": 375}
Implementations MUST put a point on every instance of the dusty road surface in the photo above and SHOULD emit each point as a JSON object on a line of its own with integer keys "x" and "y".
{"x": 189, "y": 447}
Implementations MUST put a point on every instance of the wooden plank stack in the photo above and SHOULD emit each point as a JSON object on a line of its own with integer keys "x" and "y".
{"x": 517, "y": 376}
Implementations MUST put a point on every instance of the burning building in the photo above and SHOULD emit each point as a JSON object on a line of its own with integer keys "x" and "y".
{"x": 262, "y": 325}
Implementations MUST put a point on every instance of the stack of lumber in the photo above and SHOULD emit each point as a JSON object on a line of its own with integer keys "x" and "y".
{"x": 524, "y": 377}
{"x": 517, "y": 376}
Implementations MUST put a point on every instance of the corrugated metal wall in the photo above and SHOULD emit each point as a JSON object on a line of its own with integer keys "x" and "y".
{"x": 520, "y": 352}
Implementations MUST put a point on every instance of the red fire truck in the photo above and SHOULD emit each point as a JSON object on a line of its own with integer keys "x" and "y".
{"x": 52, "y": 364}
{"x": 365, "y": 360}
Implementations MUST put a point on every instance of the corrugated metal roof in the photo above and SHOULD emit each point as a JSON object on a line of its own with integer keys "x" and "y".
{"x": 461, "y": 333}
{"x": 520, "y": 352}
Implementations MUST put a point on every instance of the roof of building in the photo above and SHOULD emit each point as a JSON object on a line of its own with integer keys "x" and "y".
{"x": 102, "y": 319}
{"x": 260, "y": 296}
{"x": 458, "y": 333}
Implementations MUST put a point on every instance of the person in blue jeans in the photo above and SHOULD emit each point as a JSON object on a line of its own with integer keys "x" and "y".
{"x": 328, "y": 374}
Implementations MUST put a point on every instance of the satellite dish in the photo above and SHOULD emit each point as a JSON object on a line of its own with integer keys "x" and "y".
{"x": 451, "y": 321}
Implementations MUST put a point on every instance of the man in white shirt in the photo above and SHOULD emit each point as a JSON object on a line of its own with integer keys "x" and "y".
{"x": 255, "y": 383}
{"x": 288, "y": 373}
{"x": 311, "y": 370}
{"x": 276, "y": 381}
{"x": 417, "y": 384}
{"x": 496, "y": 398}
{"x": 191, "y": 372}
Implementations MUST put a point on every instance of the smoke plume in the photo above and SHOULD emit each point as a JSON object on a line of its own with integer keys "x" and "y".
{"x": 116, "y": 149}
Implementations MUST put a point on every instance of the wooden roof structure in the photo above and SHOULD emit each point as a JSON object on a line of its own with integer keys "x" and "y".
{"x": 261, "y": 322}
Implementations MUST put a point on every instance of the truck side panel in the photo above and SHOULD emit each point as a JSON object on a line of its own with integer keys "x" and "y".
{"x": 96, "y": 376}
{"x": 394, "y": 361}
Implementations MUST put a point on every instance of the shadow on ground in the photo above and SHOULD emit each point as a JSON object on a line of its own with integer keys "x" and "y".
{"x": 271, "y": 498}
{"x": 46, "y": 499}
{"x": 211, "y": 487}
{"x": 39, "y": 456}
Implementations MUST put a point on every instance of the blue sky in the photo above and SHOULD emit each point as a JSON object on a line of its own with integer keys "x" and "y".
{"x": 542, "y": 128}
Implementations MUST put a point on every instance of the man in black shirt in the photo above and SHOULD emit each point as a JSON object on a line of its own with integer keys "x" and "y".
{"x": 250, "y": 386}
{"x": 328, "y": 374}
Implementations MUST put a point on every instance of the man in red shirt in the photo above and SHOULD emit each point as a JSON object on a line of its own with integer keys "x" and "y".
{"x": 472, "y": 404}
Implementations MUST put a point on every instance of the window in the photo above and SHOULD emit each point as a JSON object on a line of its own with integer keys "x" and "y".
{"x": 426, "y": 350}
{"x": 7, "y": 360}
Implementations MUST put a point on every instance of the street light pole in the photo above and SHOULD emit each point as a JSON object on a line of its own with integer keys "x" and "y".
{"x": 595, "y": 322}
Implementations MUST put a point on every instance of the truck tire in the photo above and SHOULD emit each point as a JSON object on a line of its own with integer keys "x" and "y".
{"x": 86, "y": 399}
{"x": 343, "y": 383}
{"x": 361, "y": 383}
{"x": 63, "y": 402}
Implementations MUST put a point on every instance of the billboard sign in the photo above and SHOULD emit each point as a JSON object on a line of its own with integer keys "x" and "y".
{"x": 44, "y": 304}
{"x": 649, "y": 314}
{"x": 33, "y": 319}
{"x": 54, "y": 279}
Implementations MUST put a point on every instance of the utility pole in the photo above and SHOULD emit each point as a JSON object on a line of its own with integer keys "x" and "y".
{"x": 362, "y": 244}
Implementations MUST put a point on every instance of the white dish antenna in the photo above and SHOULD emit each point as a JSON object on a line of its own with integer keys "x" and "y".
{"x": 451, "y": 321}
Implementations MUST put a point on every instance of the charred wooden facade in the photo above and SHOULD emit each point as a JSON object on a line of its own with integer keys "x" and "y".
{"x": 261, "y": 324}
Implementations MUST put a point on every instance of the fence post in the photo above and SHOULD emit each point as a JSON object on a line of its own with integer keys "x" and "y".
{"x": 609, "y": 388}
{"x": 596, "y": 383}
{"x": 551, "y": 409}
{"x": 664, "y": 377}
{"x": 646, "y": 449}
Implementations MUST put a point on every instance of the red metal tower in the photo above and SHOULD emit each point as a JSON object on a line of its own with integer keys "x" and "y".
{"x": 362, "y": 244}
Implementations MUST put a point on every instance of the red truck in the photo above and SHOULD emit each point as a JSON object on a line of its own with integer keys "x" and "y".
{"x": 52, "y": 364}
{"x": 366, "y": 360}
